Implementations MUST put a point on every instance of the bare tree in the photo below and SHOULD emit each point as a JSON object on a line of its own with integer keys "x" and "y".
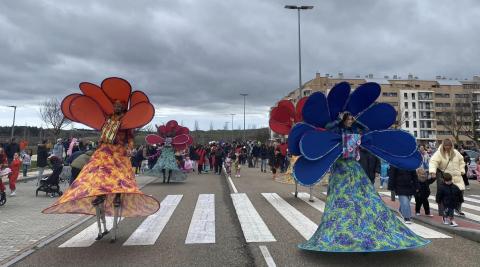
{"x": 401, "y": 118}
{"x": 458, "y": 120}
{"x": 225, "y": 126}
{"x": 148, "y": 129}
{"x": 196, "y": 127}
{"x": 51, "y": 114}
{"x": 211, "y": 126}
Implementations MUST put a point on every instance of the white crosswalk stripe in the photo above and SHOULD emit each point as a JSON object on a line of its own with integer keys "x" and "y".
{"x": 87, "y": 237}
{"x": 472, "y": 199}
{"x": 202, "y": 226}
{"x": 418, "y": 229}
{"x": 299, "y": 221}
{"x": 151, "y": 228}
{"x": 434, "y": 206}
{"x": 253, "y": 227}
{"x": 476, "y": 196}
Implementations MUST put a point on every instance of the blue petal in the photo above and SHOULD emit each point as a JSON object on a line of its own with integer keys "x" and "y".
{"x": 364, "y": 96}
{"x": 393, "y": 142}
{"x": 316, "y": 144}
{"x": 309, "y": 172}
{"x": 337, "y": 98}
{"x": 315, "y": 111}
{"x": 409, "y": 163}
{"x": 295, "y": 135}
{"x": 378, "y": 117}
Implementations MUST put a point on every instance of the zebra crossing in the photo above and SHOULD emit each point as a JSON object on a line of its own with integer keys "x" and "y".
{"x": 202, "y": 222}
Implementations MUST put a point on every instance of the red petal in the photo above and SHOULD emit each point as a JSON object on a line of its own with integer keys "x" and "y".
{"x": 96, "y": 93}
{"x": 281, "y": 114}
{"x": 153, "y": 139}
{"x": 138, "y": 97}
{"x": 298, "y": 113}
{"x": 288, "y": 105}
{"x": 162, "y": 130}
{"x": 183, "y": 130}
{"x": 171, "y": 125}
{"x": 180, "y": 139}
{"x": 138, "y": 116}
{"x": 117, "y": 89}
{"x": 66, "y": 106}
{"x": 87, "y": 111}
{"x": 280, "y": 128}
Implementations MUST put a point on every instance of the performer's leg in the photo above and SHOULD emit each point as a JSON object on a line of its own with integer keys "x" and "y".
{"x": 169, "y": 175}
{"x": 163, "y": 172}
{"x": 98, "y": 203}
{"x": 116, "y": 213}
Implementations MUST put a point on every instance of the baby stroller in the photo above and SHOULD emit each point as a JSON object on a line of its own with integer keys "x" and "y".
{"x": 50, "y": 184}
{"x": 3, "y": 197}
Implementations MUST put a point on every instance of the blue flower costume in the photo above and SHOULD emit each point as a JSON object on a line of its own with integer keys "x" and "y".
{"x": 355, "y": 218}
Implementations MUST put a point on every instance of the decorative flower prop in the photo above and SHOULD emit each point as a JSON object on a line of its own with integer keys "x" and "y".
{"x": 95, "y": 105}
{"x": 319, "y": 149}
{"x": 180, "y": 136}
{"x": 284, "y": 116}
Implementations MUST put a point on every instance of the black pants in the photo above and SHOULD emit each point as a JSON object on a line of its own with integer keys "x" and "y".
{"x": 465, "y": 180}
{"x": 200, "y": 168}
{"x": 218, "y": 165}
{"x": 75, "y": 173}
{"x": 422, "y": 200}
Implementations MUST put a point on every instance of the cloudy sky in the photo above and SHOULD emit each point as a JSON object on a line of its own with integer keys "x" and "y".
{"x": 194, "y": 58}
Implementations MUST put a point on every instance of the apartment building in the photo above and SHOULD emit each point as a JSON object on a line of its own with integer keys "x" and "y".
{"x": 421, "y": 104}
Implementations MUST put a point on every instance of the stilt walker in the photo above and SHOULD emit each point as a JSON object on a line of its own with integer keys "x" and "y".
{"x": 355, "y": 218}
{"x": 282, "y": 118}
{"x": 106, "y": 186}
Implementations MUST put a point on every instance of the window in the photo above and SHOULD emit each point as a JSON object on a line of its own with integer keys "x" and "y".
{"x": 405, "y": 95}
{"x": 414, "y": 124}
{"x": 440, "y": 95}
{"x": 406, "y": 104}
{"x": 461, "y": 95}
{"x": 414, "y": 105}
{"x": 389, "y": 94}
{"x": 464, "y": 105}
{"x": 415, "y": 133}
{"x": 413, "y": 96}
{"x": 414, "y": 115}
{"x": 442, "y": 105}
{"x": 406, "y": 114}
{"x": 407, "y": 124}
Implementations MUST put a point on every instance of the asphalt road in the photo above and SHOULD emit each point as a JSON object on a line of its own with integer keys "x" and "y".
{"x": 230, "y": 247}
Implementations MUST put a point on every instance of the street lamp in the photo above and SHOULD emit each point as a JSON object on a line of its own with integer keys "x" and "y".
{"x": 298, "y": 8}
{"x": 13, "y": 125}
{"x": 244, "y": 99}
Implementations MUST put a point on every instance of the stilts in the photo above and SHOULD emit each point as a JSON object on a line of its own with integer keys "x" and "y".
{"x": 117, "y": 209}
{"x": 99, "y": 204}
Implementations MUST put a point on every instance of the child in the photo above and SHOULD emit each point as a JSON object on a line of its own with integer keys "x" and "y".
{"x": 384, "y": 166}
{"x": 4, "y": 171}
{"x": 228, "y": 164}
{"x": 236, "y": 164}
{"x": 26, "y": 161}
{"x": 478, "y": 169}
{"x": 277, "y": 162}
{"x": 450, "y": 196}
{"x": 421, "y": 197}
{"x": 13, "y": 176}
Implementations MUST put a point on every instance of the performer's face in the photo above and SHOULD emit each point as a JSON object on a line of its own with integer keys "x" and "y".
{"x": 118, "y": 107}
{"x": 349, "y": 121}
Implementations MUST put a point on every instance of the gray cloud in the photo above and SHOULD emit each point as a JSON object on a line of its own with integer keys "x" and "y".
{"x": 193, "y": 58}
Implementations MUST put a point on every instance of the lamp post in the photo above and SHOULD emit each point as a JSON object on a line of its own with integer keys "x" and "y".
{"x": 13, "y": 125}
{"x": 298, "y": 8}
{"x": 244, "y": 100}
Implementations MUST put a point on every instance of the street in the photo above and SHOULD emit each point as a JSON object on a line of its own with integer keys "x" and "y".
{"x": 203, "y": 223}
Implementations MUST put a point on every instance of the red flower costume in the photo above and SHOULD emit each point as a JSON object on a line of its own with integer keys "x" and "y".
{"x": 284, "y": 116}
{"x": 109, "y": 171}
{"x": 180, "y": 135}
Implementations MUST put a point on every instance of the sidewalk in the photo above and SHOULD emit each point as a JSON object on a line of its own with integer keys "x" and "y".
{"x": 30, "y": 176}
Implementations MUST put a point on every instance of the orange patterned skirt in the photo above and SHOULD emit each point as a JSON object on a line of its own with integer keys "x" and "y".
{"x": 108, "y": 172}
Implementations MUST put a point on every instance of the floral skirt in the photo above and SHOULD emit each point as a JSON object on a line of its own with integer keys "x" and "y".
{"x": 108, "y": 172}
{"x": 356, "y": 219}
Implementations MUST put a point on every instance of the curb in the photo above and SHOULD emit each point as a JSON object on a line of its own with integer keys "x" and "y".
{"x": 470, "y": 234}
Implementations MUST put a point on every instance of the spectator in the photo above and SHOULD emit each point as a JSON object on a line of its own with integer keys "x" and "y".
{"x": 370, "y": 164}
{"x": 421, "y": 196}
{"x": 13, "y": 176}
{"x": 405, "y": 185}
{"x": 384, "y": 166}
{"x": 78, "y": 163}
{"x": 448, "y": 160}
{"x": 263, "y": 152}
{"x": 11, "y": 149}
{"x": 450, "y": 196}
{"x": 58, "y": 149}
{"x": 42, "y": 155}
{"x": 26, "y": 161}
{"x": 466, "y": 159}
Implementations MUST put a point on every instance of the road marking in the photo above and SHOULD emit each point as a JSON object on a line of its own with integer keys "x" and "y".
{"x": 233, "y": 185}
{"x": 317, "y": 204}
{"x": 268, "y": 258}
{"x": 464, "y": 205}
{"x": 151, "y": 228}
{"x": 434, "y": 206}
{"x": 471, "y": 199}
{"x": 477, "y": 196}
{"x": 87, "y": 237}
{"x": 299, "y": 221}
{"x": 418, "y": 229}
{"x": 253, "y": 227}
{"x": 202, "y": 226}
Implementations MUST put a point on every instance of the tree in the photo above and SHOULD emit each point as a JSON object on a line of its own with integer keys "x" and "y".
{"x": 225, "y": 126}
{"x": 51, "y": 114}
{"x": 458, "y": 120}
{"x": 196, "y": 127}
{"x": 401, "y": 118}
{"x": 211, "y": 126}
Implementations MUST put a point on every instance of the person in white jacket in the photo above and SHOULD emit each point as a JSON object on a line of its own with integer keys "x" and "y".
{"x": 449, "y": 160}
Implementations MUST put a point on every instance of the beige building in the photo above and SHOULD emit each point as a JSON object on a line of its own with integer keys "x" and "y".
{"x": 421, "y": 104}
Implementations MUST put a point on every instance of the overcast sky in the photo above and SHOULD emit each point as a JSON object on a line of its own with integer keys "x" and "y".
{"x": 193, "y": 58}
